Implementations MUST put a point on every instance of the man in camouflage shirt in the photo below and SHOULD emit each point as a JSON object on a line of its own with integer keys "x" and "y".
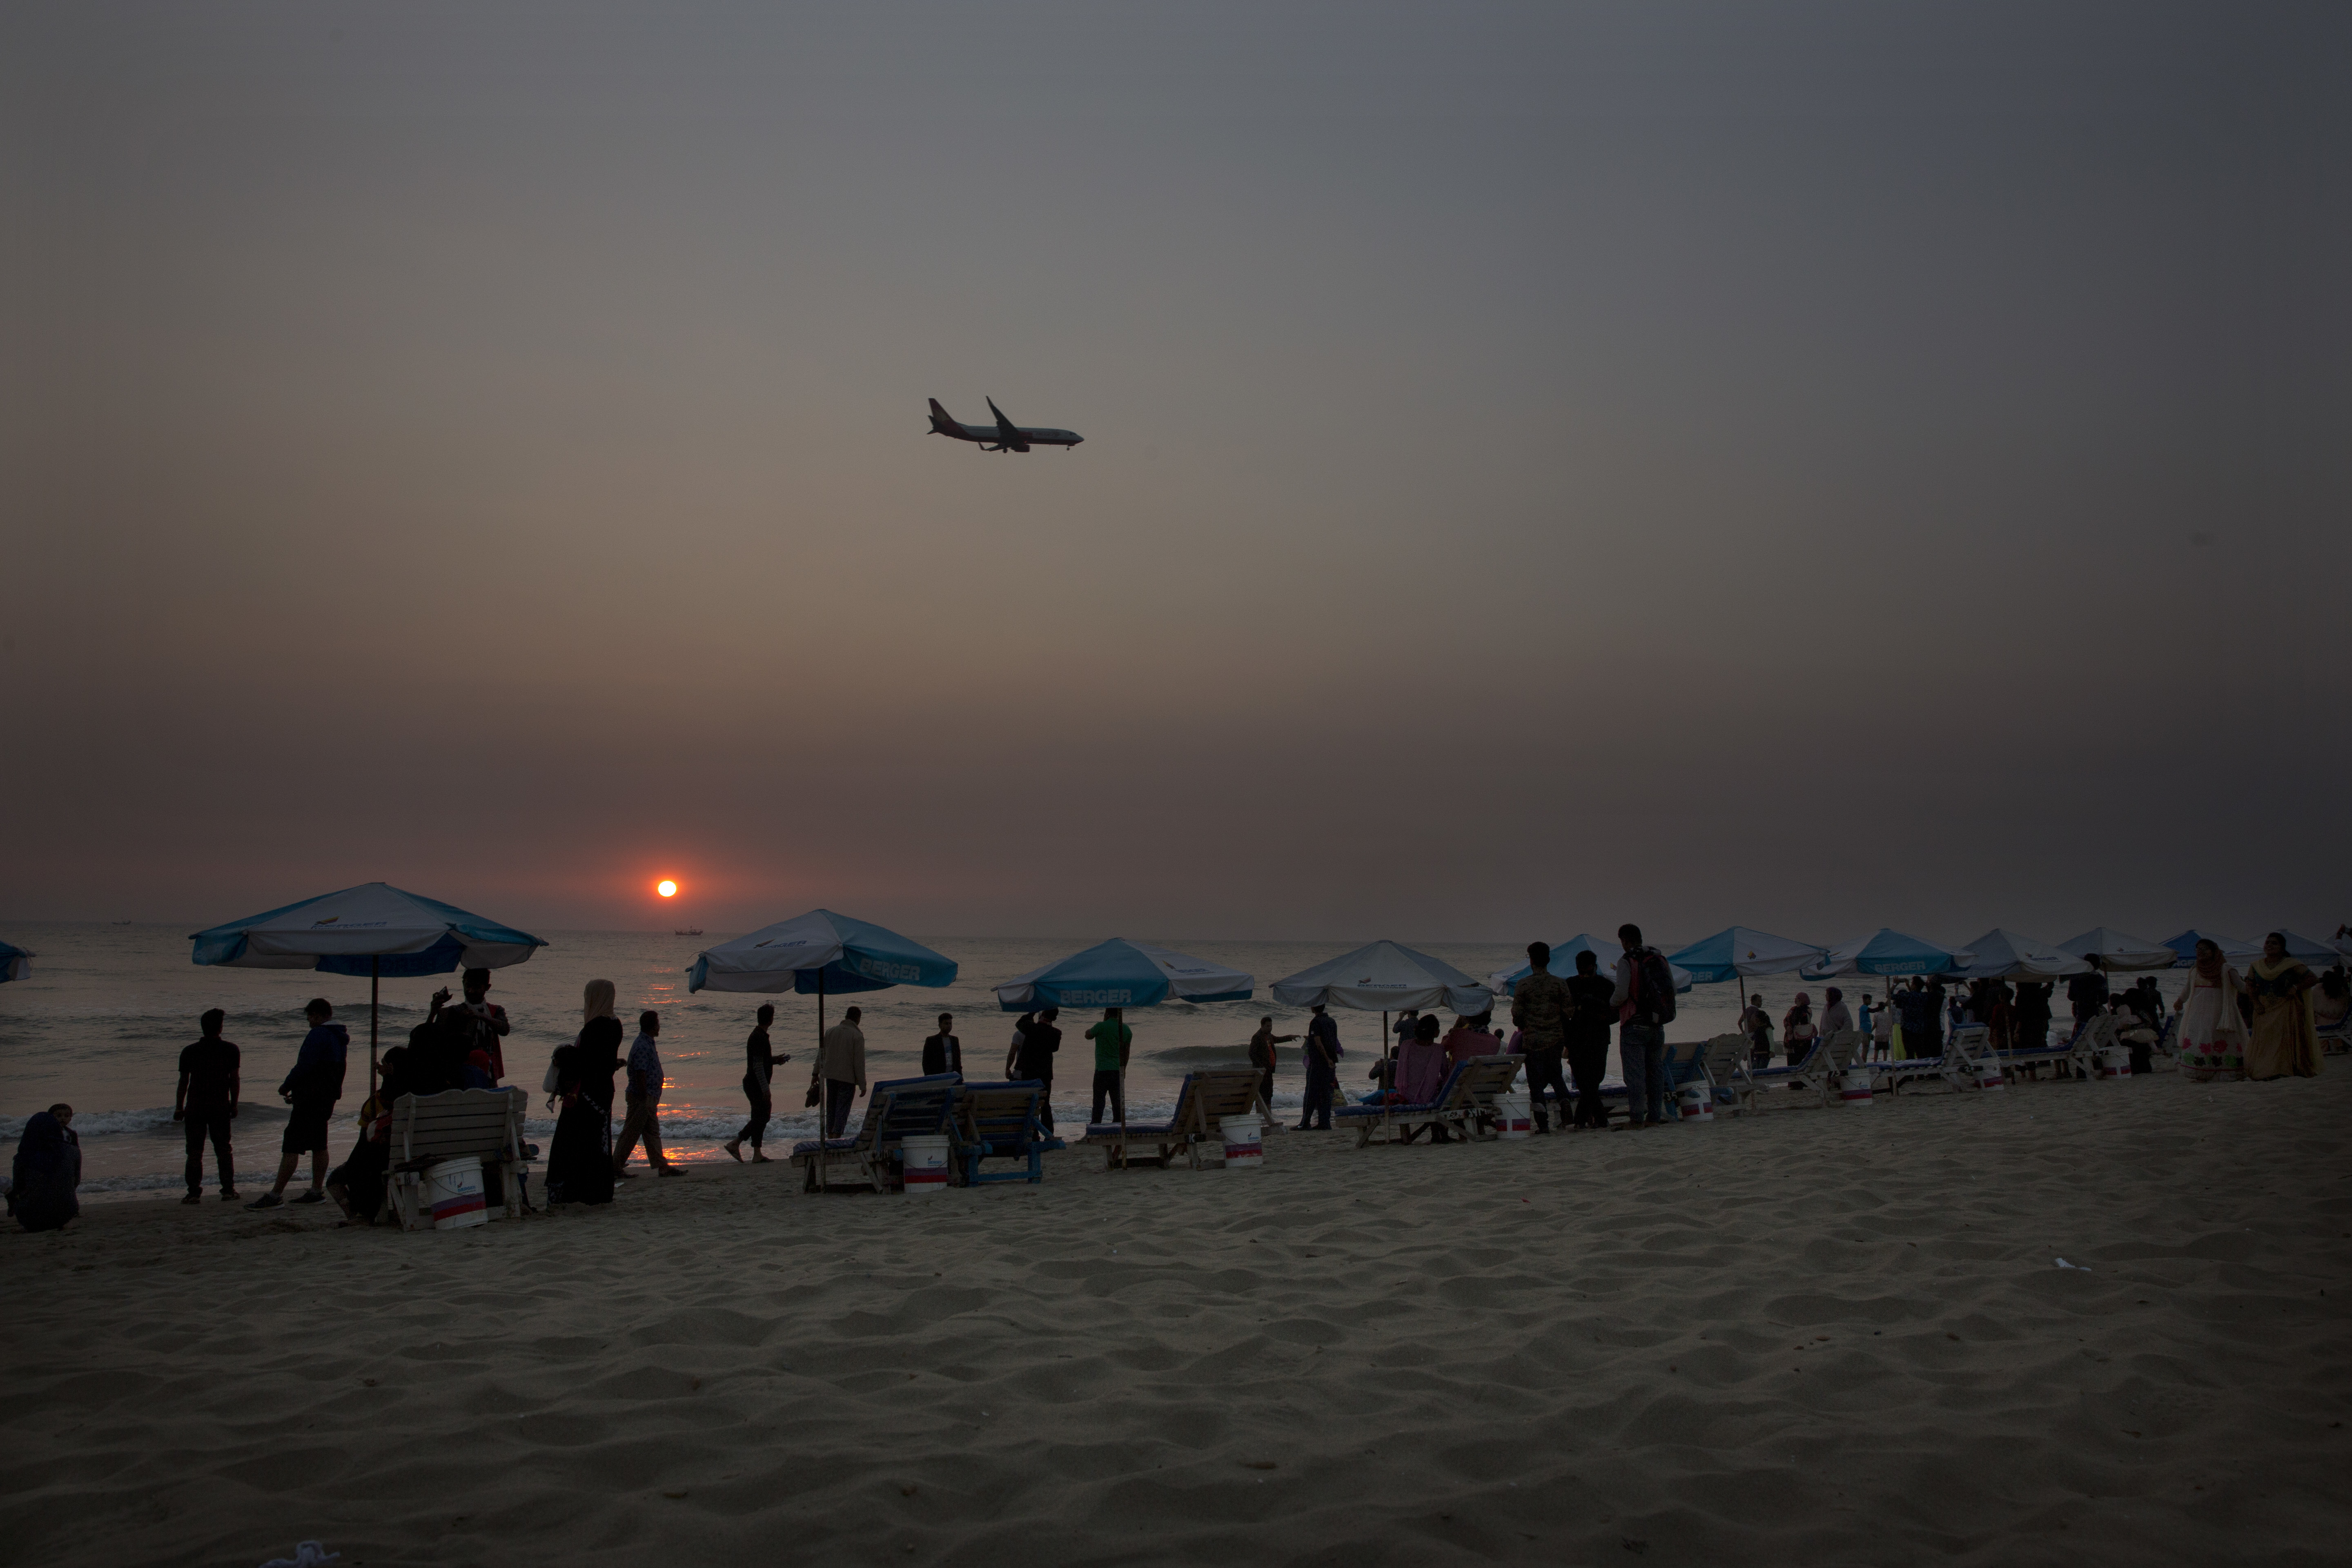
{"x": 1540, "y": 1010}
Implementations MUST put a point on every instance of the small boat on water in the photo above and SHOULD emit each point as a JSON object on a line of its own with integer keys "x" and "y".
{"x": 695, "y": 932}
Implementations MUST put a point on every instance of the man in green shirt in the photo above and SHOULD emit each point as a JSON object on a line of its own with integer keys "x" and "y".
{"x": 1113, "y": 1039}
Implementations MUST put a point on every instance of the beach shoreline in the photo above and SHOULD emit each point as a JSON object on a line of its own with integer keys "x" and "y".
{"x": 1812, "y": 1335}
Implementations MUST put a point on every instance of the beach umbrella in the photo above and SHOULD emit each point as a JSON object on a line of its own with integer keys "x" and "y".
{"x": 2318, "y": 954}
{"x": 1123, "y": 973}
{"x": 2119, "y": 950}
{"x": 376, "y": 929}
{"x": 2004, "y": 955}
{"x": 1605, "y": 955}
{"x": 818, "y": 954}
{"x": 1383, "y": 978}
{"x": 13, "y": 965}
{"x": 1737, "y": 950}
{"x": 2233, "y": 950}
{"x": 1888, "y": 952}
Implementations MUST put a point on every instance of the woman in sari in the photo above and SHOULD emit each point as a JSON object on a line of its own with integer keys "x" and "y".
{"x": 2212, "y": 1035}
{"x": 2283, "y": 1039}
{"x": 580, "y": 1159}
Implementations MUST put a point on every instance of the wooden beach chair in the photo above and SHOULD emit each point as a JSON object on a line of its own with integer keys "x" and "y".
{"x": 2070, "y": 1059}
{"x": 871, "y": 1159}
{"x": 485, "y": 1123}
{"x": 999, "y": 1120}
{"x": 1953, "y": 1068}
{"x": 1203, "y": 1098}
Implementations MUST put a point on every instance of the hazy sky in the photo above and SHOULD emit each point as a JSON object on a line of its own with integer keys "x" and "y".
{"x": 1810, "y": 467}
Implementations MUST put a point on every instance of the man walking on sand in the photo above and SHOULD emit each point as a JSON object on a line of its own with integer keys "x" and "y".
{"x": 1322, "y": 1072}
{"x": 1539, "y": 1011}
{"x": 1113, "y": 1039}
{"x": 760, "y": 1062}
{"x": 312, "y": 1090}
{"x": 206, "y": 1101}
{"x": 1644, "y": 998}
{"x": 841, "y": 1062}
{"x": 644, "y": 1096}
{"x": 1262, "y": 1057}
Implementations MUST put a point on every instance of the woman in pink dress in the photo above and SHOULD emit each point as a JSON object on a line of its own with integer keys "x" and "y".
{"x": 2213, "y": 1034}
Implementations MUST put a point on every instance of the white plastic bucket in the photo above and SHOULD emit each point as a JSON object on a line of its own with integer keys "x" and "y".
{"x": 1697, "y": 1103}
{"x": 924, "y": 1159}
{"x": 453, "y": 1193}
{"x": 1853, "y": 1085}
{"x": 1515, "y": 1114}
{"x": 2113, "y": 1062}
{"x": 1245, "y": 1138}
{"x": 1988, "y": 1075}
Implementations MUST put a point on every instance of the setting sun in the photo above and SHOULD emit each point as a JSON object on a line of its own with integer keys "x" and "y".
{"x": 666, "y": 888}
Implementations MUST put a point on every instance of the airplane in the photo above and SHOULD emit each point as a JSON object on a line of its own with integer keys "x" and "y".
{"x": 1008, "y": 437}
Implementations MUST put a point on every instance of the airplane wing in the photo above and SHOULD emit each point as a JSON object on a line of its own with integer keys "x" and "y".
{"x": 1008, "y": 433}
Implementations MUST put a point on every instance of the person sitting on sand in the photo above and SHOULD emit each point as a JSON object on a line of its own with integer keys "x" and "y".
{"x": 48, "y": 1169}
{"x": 311, "y": 1089}
{"x": 206, "y": 1101}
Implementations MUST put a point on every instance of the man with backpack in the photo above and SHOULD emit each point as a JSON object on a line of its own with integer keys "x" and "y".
{"x": 1644, "y": 999}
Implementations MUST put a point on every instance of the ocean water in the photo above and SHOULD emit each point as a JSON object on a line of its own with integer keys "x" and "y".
{"x": 100, "y": 1022}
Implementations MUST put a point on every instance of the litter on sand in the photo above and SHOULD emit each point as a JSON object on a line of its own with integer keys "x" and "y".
{"x": 306, "y": 1554}
{"x": 2076, "y": 1266}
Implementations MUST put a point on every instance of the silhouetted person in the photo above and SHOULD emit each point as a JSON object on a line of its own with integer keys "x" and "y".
{"x": 942, "y": 1052}
{"x": 206, "y": 1101}
{"x": 311, "y": 1090}
{"x": 760, "y": 1061}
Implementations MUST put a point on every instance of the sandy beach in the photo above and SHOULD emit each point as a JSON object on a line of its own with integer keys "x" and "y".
{"x": 1836, "y": 1335}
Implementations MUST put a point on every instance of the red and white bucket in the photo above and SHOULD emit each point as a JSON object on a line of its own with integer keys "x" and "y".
{"x": 453, "y": 1192}
{"x": 1853, "y": 1085}
{"x": 1696, "y": 1103}
{"x": 1245, "y": 1138}
{"x": 1988, "y": 1075}
{"x": 1515, "y": 1114}
{"x": 2113, "y": 1062}
{"x": 924, "y": 1161}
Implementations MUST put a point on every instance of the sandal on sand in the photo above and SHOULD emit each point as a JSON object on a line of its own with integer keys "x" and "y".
{"x": 760, "y": 1158}
{"x": 670, "y": 1171}
{"x": 734, "y": 1146}
{"x": 267, "y": 1201}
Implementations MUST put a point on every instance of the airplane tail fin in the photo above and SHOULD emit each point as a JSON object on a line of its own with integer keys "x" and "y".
{"x": 942, "y": 422}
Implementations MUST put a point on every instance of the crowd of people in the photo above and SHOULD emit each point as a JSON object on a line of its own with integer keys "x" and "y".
{"x": 2259, "y": 1024}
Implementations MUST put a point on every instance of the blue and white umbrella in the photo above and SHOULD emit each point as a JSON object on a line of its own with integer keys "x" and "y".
{"x": 376, "y": 929}
{"x": 819, "y": 953}
{"x": 1385, "y": 977}
{"x": 13, "y": 965}
{"x": 1888, "y": 952}
{"x": 1736, "y": 951}
{"x": 2119, "y": 950}
{"x": 2305, "y": 949}
{"x": 2005, "y": 956}
{"x": 2233, "y": 950}
{"x": 1123, "y": 973}
{"x": 1605, "y": 955}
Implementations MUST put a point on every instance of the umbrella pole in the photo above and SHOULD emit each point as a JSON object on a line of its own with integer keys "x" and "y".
{"x": 1389, "y": 1088}
{"x": 375, "y": 984}
{"x": 824, "y": 1092}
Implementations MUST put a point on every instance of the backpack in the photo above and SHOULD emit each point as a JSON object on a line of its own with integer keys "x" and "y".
{"x": 1654, "y": 986}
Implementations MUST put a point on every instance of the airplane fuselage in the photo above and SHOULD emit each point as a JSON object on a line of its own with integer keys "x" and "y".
{"x": 1002, "y": 435}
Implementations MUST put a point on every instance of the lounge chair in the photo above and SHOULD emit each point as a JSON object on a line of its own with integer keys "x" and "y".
{"x": 1815, "y": 1073}
{"x": 426, "y": 1130}
{"x": 1953, "y": 1067}
{"x": 999, "y": 1120}
{"x": 2093, "y": 1035}
{"x": 1204, "y": 1098}
{"x": 871, "y": 1159}
{"x": 1466, "y": 1097}
{"x": 1721, "y": 1061}
{"x": 1686, "y": 1060}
